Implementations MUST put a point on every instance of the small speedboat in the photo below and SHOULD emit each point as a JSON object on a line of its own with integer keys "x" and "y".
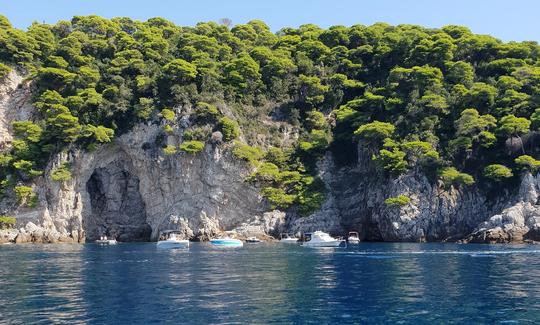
{"x": 170, "y": 239}
{"x": 287, "y": 239}
{"x": 226, "y": 242}
{"x": 321, "y": 239}
{"x": 253, "y": 240}
{"x": 103, "y": 240}
{"x": 353, "y": 238}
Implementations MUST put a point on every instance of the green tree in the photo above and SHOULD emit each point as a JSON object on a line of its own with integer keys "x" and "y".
{"x": 451, "y": 176}
{"x": 375, "y": 131}
{"x": 512, "y": 126}
{"x": 497, "y": 172}
{"x": 179, "y": 71}
{"x": 528, "y": 163}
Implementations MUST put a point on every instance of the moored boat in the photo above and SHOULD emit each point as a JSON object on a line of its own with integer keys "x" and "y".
{"x": 322, "y": 239}
{"x": 170, "y": 239}
{"x": 253, "y": 240}
{"x": 287, "y": 239}
{"x": 103, "y": 240}
{"x": 353, "y": 238}
{"x": 226, "y": 242}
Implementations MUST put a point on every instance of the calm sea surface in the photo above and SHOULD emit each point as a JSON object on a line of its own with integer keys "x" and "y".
{"x": 270, "y": 283}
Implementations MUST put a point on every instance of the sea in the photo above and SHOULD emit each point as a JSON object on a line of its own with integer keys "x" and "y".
{"x": 270, "y": 283}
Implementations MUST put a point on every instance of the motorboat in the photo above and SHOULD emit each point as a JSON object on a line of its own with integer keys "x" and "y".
{"x": 353, "y": 238}
{"x": 321, "y": 239}
{"x": 226, "y": 242}
{"x": 253, "y": 240}
{"x": 103, "y": 240}
{"x": 288, "y": 239}
{"x": 171, "y": 239}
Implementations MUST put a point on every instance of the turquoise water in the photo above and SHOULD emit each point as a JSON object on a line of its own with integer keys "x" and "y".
{"x": 270, "y": 283}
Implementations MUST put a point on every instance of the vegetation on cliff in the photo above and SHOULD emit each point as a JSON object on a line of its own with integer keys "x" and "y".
{"x": 460, "y": 107}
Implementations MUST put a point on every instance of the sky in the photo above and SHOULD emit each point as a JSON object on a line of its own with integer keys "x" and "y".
{"x": 508, "y": 20}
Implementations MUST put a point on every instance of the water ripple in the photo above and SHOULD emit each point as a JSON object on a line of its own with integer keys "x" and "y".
{"x": 270, "y": 284}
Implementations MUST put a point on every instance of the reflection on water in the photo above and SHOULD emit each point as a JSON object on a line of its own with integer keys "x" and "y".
{"x": 269, "y": 283}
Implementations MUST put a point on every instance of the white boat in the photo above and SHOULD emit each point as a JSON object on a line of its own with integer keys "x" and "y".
{"x": 321, "y": 239}
{"x": 253, "y": 240}
{"x": 226, "y": 242}
{"x": 103, "y": 240}
{"x": 353, "y": 238}
{"x": 170, "y": 239}
{"x": 287, "y": 239}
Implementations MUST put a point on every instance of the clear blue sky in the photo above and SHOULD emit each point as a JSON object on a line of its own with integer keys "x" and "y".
{"x": 505, "y": 19}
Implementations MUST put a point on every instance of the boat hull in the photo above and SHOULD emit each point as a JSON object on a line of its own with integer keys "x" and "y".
{"x": 353, "y": 241}
{"x": 106, "y": 242}
{"x": 226, "y": 243}
{"x": 336, "y": 243}
{"x": 171, "y": 244}
{"x": 289, "y": 241}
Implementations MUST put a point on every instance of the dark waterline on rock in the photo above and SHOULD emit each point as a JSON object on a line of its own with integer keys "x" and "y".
{"x": 270, "y": 283}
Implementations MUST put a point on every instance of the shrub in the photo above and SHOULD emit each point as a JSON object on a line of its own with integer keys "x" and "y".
{"x": 192, "y": 146}
{"x": 451, "y": 176}
{"x": 199, "y": 134}
{"x": 527, "y": 162}
{"x": 168, "y": 129}
{"x": 396, "y": 201}
{"x": 228, "y": 128}
{"x": 247, "y": 153}
{"x": 266, "y": 172}
{"x": 25, "y": 195}
{"x": 61, "y": 174}
{"x": 497, "y": 172}
{"x": 167, "y": 114}
{"x": 169, "y": 150}
{"x": 7, "y": 222}
{"x": 206, "y": 113}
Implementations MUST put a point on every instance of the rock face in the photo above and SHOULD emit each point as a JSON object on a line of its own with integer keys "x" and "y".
{"x": 131, "y": 191}
{"x": 15, "y": 94}
{"x": 356, "y": 203}
{"x": 518, "y": 222}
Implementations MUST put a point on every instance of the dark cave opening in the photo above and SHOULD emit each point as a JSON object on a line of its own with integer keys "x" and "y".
{"x": 117, "y": 208}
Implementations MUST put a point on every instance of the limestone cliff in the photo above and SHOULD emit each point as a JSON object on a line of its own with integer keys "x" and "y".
{"x": 130, "y": 190}
{"x": 356, "y": 202}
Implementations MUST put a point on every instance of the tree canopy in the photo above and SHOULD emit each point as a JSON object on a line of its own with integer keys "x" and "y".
{"x": 442, "y": 101}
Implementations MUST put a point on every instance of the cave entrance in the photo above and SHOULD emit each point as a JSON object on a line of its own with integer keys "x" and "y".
{"x": 117, "y": 208}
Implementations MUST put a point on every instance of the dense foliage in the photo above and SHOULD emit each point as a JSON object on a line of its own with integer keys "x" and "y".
{"x": 458, "y": 106}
